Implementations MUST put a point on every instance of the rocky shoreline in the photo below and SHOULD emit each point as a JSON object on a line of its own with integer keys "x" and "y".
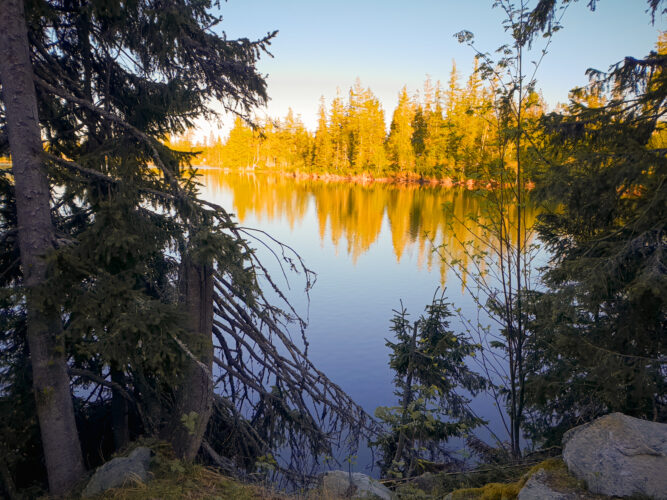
{"x": 614, "y": 456}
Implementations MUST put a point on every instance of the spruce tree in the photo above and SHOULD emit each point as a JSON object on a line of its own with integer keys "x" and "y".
{"x": 399, "y": 142}
{"x": 35, "y": 238}
{"x": 601, "y": 326}
{"x": 323, "y": 147}
{"x": 151, "y": 285}
{"x": 340, "y": 136}
{"x": 366, "y": 129}
{"x": 430, "y": 372}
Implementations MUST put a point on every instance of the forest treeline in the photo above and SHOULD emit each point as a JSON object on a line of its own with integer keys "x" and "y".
{"x": 448, "y": 133}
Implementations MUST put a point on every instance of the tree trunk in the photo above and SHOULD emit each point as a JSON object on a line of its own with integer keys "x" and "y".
{"x": 55, "y": 410}
{"x": 407, "y": 398}
{"x": 6, "y": 481}
{"x": 119, "y": 413}
{"x": 194, "y": 395}
{"x": 520, "y": 250}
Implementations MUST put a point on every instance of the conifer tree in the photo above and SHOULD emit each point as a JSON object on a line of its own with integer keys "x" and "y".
{"x": 419, "y": 127}
{"x": 36, "y": 235}
{"x": 136, "y": 264}
{"x": 399, "y": 142}
{"x": 455, "y": 125}
{"x": 428, "y": 360}
{"x": 366, "y": 128}
{"x": 474, "y": 139}
{"x": 435, "y": 141}
{"x": 297, "y": 140}
{"x": 323, "y": 147}
{"x": 241, "y": 146}
{"x": 601, "y": 324}
{"x": 340, "y": 136}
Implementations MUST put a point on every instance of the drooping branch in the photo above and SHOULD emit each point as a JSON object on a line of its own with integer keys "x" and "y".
{"x": 117, "y": 388}
{"x": 278, "y": 396}
{"x": 269, "y": 377}
{"x": 141, "y": 136}
{"x": 102, "y": 381}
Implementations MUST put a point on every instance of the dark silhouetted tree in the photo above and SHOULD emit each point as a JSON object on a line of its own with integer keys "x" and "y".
{"x": 429, "y": 361}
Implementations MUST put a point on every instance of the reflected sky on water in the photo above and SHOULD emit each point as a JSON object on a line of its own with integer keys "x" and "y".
{"x": 371, "y": 247}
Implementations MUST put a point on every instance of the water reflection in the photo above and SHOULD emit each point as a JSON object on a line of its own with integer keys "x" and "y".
{"x": 369, "y": 245}
{"x": 352, "y": 214}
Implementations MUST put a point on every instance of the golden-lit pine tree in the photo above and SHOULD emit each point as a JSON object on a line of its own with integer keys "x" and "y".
{"x": 399, "y": 144}
{"x": 301, "y": 141}
{"x": 455, "y": 125}
{"x": 294, "y": 142}
{"x": 428, "y": 99}
{"x": 268, "y": 156}
{"x": 241, "y": 148}
{"x": 339, "y": 136}
{"x": 367, "y": 131}
{"x": 425, "y": 129}
{"x": 212, "y": 153}
{"x": 278, "y": 141}
{"x": 323, "y": 146}
{"x": 475, "y": 107}
{"x": 435, "y": 142}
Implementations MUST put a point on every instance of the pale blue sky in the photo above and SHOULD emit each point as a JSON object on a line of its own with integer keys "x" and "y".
{"x": 323, "y": 45}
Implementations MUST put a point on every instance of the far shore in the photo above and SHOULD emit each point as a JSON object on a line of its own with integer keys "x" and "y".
{"x": 406, "y": 178}
{"x": 367, "y": 179}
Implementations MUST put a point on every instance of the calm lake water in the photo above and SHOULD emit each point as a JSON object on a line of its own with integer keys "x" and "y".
{"x": 371, "y": 247}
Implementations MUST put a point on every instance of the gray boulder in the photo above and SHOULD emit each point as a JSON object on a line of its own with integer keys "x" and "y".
{"x": 120, "y": 471}
{"x": 355, "y": 485}
{"x": 617, "y": 455}
{"x": 537, "y": 488}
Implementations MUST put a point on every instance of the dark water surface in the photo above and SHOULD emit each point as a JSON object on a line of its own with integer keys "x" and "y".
{"x": 371, "y": 247}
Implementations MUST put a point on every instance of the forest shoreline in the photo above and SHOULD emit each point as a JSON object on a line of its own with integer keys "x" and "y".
{"x": 366, "y": 179}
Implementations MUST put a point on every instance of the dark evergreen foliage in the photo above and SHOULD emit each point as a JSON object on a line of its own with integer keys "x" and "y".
{"x": 600, "y": 328}
{"x": 544, "y": 16}
{"x": 114, "y": 80}
{"x": 431, "y": 373}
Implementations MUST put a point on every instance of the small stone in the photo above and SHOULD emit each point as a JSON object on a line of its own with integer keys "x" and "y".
{"x": 355, "y": 485}
{"x": 537, "y": 488}
{"x": 120, "y": 471}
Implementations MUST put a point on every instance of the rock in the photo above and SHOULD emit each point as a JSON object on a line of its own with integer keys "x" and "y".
{"x": 426, "y": 482}
{"x": 618, "y": 455}
{"x": 538, "y": 488}
{"x": 120, "y": 471}
{"x": 355, "y": 485}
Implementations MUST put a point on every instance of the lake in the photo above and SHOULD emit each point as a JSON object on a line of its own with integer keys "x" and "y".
{"x": 371, "y": 247}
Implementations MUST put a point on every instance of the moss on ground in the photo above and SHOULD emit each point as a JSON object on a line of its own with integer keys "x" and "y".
{"x": 172, "y": 479}
{"x": 193, "y": 482}
{"x": 491, "y": 491}
{"x": 503, "y": 488}
{"x": 175, "y": 480}
{"x": 558, "y": 476}
{"x": 440, "y": 484}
